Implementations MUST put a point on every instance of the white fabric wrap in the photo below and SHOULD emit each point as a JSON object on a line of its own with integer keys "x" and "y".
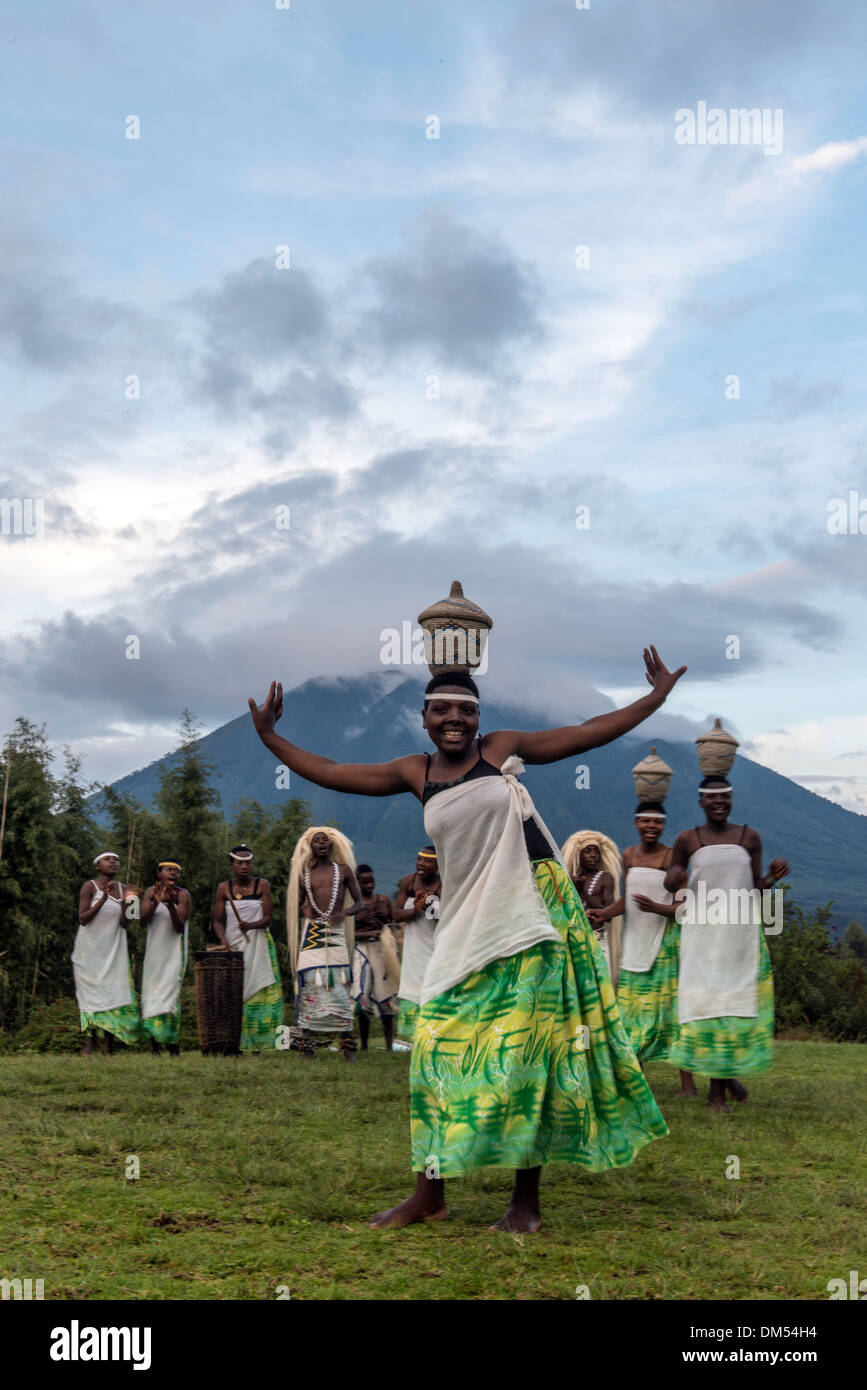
{"x": 719, "y": 960}
{"x": 258, "y": 970}
{"x": 165, "y": 961}
{"x": 418, "y": 944}
{"x": 642, "y": 931}
{"x": 491, "y": 906}
{"x": 100, "y": 960}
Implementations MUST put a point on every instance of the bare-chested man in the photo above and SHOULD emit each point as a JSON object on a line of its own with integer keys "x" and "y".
{"x": 375, "y": 966}
{"x": 321, "y": 941}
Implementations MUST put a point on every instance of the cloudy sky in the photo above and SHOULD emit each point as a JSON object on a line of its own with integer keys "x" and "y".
{"x": 285, "y": 294}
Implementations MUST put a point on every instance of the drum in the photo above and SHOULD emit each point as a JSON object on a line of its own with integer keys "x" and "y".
{"x": 219, "y": 1000}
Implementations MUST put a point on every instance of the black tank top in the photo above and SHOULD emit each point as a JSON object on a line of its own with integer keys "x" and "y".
{"x": 534, "y": 837}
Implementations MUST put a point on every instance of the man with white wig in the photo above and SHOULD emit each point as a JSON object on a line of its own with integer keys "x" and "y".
{"x": 321, "y": 902}
{"x": 594, "y": 865}
{"x": 100, "y": 959}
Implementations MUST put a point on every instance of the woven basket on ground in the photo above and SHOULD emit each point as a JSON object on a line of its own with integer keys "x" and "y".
{"x": 219, "y": 1000}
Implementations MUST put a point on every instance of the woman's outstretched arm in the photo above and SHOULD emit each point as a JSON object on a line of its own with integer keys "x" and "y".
{"x": 549, "y": 745}
{"x": 365, "y": 779}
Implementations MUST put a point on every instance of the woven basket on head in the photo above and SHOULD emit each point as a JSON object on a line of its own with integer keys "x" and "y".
{"x": 455, "y": 632}
{"x": 716, "y": 751}
{"x": 219, "y": 999}
{"x": 652, "y": 778}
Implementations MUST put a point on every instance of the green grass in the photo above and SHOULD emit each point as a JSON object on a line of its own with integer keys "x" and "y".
{"x": 262, "y": 1171}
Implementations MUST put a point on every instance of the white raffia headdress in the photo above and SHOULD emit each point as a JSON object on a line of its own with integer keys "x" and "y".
{"x": 302, "y": 858}
{"x": 611, "y": 864}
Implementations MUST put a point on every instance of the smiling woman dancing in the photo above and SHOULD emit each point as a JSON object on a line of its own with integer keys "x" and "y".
{"x": 520, "y": 1056}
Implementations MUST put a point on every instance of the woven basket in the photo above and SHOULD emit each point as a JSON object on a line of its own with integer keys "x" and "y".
{"x": 455, "y": 633}
{"x": 219, "y": 1000}
{"x": 716, "y": 750}
{"x": 652, "y": 778}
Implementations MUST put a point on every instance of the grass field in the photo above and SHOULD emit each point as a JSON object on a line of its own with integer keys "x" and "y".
{"x": 260, "y": 1172}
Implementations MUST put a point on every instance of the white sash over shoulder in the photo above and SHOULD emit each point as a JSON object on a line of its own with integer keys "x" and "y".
{"x": 258, "y": 970}
{"x": 491, "y": 906}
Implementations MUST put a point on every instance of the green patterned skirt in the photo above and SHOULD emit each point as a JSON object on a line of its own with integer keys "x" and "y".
{"x": 648, "y": 1001}
{"x": 263, "y": 1011}
{"x": 730, "y": 1047}
{"x": 123, "y": 1023}
{"x": 163, "y": 1028}
{"x": 527, "y": 1061}
{"x": 407, "y": 1017}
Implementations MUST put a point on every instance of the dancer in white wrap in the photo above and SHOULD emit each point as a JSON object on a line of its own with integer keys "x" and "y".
{"x": 165, "y": 913}
{"x": 243, "y": 911}
{"x": 100, "y": 959}
{"x": 647, "y": 990}
{"x": 725, "y": 987}
{"x": 520, "y": 1057}
{"x": 417, "y": 905}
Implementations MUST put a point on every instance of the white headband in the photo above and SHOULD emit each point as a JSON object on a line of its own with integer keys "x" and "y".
{"x": 714, "y": 791}
{"x": 650, "y": 815}
{"x": 242, "y": 858}
{"x": 471, "y": 699}
{"x": 107, "y": 854}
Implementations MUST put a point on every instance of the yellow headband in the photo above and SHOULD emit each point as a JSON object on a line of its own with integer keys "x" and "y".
{"x": 168, "y": 864}
{"x": 425, "y": 854}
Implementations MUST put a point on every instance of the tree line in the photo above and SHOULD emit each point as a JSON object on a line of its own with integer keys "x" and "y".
{"x": 52, "y": 824}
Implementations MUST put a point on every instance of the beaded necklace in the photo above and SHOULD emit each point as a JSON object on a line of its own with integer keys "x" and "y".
{"x": 334, "y": 887}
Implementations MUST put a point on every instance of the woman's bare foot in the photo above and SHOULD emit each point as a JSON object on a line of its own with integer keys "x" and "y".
{"x": 716, "y": 1097}
{"x": 427, "y": 1203}
{"x": 519, "y": 1217}
{"x": 687, "y": 1086}
{"x": 738, "y": 1090}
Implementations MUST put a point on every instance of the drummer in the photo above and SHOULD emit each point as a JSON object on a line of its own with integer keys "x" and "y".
{"x": 243, "y": 911}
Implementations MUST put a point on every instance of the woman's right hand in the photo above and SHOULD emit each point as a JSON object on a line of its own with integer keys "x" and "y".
{"x": 676, "y": 878}
{"x": 265, "y": 716}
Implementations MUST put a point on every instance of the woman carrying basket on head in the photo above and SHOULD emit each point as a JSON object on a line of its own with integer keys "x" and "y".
{"x": 520, "y": 1056}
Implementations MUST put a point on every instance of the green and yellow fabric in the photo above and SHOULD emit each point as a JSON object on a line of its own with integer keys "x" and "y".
{"x": 729, "y": 1046}
{"x": 527, "y": 1061}
{"x": 263, "y": 1011}
{"x": 648, "y": 1002}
